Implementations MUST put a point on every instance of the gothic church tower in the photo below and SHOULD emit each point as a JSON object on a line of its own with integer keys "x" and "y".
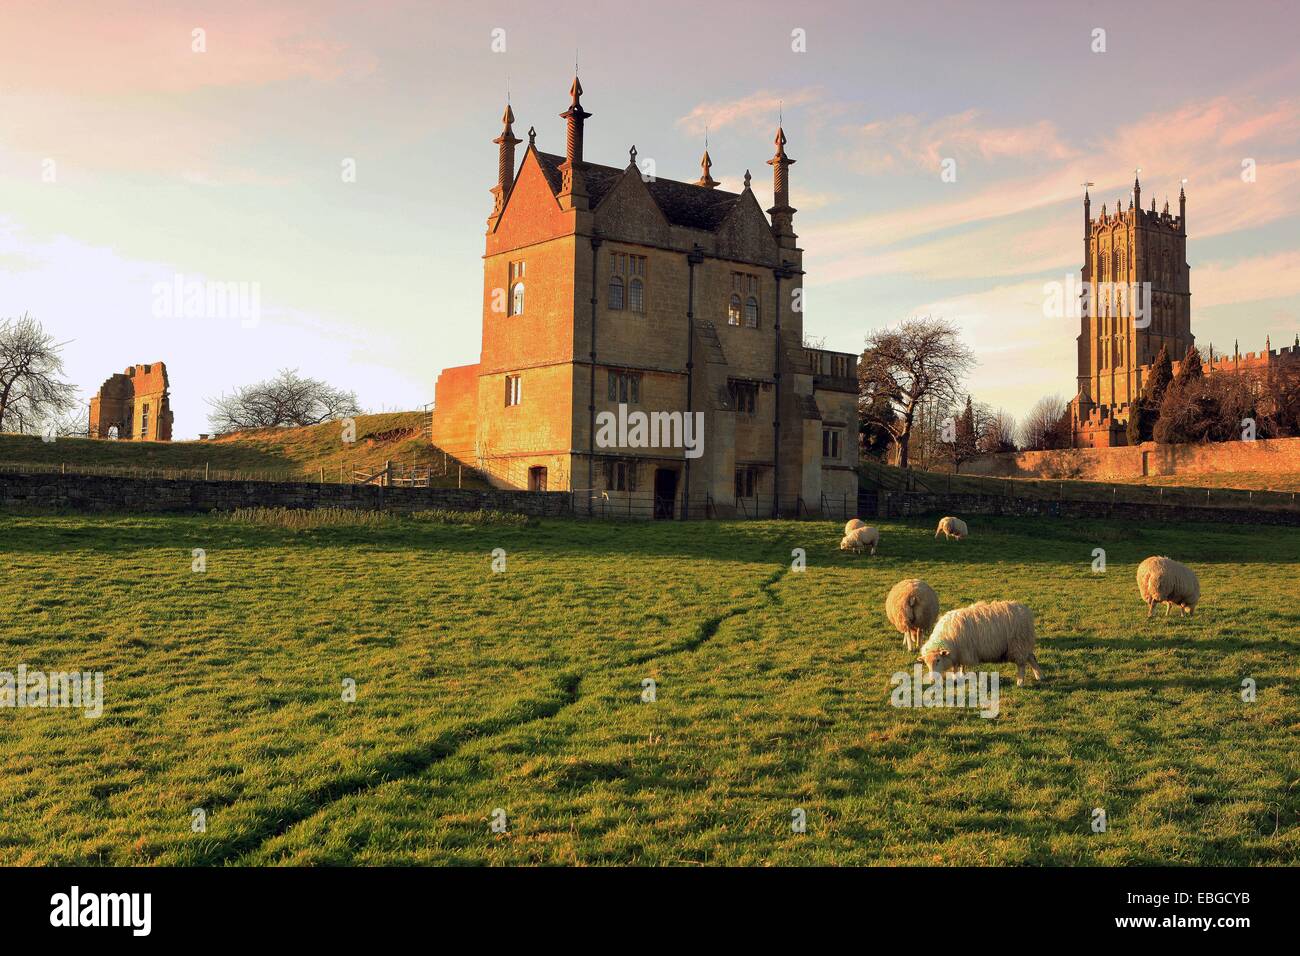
{"x": 1136, "y": 299}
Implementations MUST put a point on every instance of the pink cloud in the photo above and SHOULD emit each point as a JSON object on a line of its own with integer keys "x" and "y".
{"x": 135, "y": 47}
{"x": 1204, "y": 142}
{"x": 910, "y": 141}
{"x": 756, "y": 110}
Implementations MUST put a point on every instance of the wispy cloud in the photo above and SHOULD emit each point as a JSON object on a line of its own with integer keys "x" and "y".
{"x": 911, "y": 141}
{"x": 1205, "y": 142}
{"x": 758, "y": 109}
{"x": 108, "y": 49}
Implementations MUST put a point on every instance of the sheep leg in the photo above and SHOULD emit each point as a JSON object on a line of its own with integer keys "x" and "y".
{"x": 1034, "y": 668}
{"x": 1151, "y": 608}
{"x": 1020, "y": 674}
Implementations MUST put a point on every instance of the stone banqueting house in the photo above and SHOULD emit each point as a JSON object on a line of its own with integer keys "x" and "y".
{"x": 607, "y": 286}
{"x": 1138, "y": 299}
{"x": 133, "y": 405}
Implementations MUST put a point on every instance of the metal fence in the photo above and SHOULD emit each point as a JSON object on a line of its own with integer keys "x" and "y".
{"x": 646, "y": 506}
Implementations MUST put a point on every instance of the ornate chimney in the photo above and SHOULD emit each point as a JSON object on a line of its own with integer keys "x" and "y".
{"x": 573, "y": 192}
{"x": 782, "y": 212}
{"x": 506, "y": 144}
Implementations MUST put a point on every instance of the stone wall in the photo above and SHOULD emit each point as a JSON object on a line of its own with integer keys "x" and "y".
{"x": 1264, "y": 456}
{"x": 99, "y": 493}
{"x": 910, "y": 504}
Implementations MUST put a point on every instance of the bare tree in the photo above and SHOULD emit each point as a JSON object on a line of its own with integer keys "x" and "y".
{"x": 1042, "y": 427}
{"x": 32, "y": 390}
{"x": 286, "y": 400}
{"x": 998, "y": 433}
{"x": 920, "y": 362}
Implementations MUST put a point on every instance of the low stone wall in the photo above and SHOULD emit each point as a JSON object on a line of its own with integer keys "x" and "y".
{"x": 904, "y": 504}
{"x": 1264, "y": 456}
{"x": 102, "y": 493}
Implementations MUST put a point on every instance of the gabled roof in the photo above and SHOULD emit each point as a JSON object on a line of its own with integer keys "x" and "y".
{"x": 683, "y": 204}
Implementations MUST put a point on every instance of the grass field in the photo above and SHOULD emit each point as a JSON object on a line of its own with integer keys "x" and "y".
{"x": 522, "y": 691}
{"x": 268, "y": 453}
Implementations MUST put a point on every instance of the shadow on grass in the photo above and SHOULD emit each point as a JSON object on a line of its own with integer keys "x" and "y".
{"x": 1000, "y": 541}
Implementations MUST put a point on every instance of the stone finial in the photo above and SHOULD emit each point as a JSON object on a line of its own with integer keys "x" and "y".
{"x": 747, "y": 179}
{"x": 631, "y": 157}
{"x": 532, "y": 136}
{"x": 706, "y": 179}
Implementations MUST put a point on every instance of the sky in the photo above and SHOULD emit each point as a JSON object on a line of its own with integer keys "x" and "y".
{"x": 332, "y": 162}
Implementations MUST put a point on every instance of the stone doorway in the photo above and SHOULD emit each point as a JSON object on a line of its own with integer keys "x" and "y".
{"x": 665, "y": 493}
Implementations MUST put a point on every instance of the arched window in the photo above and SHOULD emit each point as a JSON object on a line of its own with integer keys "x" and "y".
{"x": 615, "y": 292}
{"x": 733, "y": 311}
{"x": 517, "y": 299}
{"x": 751, "y": 312}
{"x": 636, "y": 296}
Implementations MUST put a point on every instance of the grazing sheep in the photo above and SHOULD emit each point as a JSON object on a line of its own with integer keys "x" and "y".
{"x": 853, "y": 525}
{"x": 860, "y": 539}
{"x": 952, "y": 528}
{"x": 1166, "y": 581}
{"x": 986, "y": 632}
{"x": 912, "y": 607}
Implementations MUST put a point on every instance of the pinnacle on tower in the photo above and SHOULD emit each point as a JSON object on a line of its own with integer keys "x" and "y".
{"x": 506, "y": 144}
{"x": 706, "y": 180}
{"x": 573, "y": 192}
{"x": 782, "y": 212}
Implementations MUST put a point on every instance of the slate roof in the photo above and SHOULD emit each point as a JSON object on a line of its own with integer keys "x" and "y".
{"x": 683, "y": 204}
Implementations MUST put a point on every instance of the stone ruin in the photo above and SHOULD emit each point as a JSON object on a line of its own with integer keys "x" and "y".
{"x": 133, "y": 405}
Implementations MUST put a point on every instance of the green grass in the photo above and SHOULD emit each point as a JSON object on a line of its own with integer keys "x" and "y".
{"x": 1227, "y": 490}
{"x": 522, "y": 691}
{"x": 1288, "y": 481}
{"x": 269, "y": 453}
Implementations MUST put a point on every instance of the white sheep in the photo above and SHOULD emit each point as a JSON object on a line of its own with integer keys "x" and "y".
{"x": 912, "y": 607}
{"x": 951, "y": 527}
{"x": 986, "y": 632}
{"x": 853, "y": 525}
{"x": 1166, "y": 581}
{"x": 860, "y": 539}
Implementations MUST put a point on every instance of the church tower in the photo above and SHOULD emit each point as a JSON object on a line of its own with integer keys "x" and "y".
{"x": 1136, "y": 298}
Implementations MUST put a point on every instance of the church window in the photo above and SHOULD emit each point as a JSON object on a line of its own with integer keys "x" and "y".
{"x": 746, "y": 480}
{"x": 514, "y": 390}
{"x": 620, "y": 476}
{"x": 625, "y": 388}
{"x": 516, "y": 304}
{"x": 626, "y": 282}
{"x": 733, "y": 310}
{"x": 830, "y": 443}
{"x": 751, "y": 312}
{"x": 744, "y": 397}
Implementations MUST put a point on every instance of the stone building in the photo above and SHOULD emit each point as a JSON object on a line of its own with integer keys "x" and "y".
{"x": 1136, "y": 299}
{"x": 609, "y": 292}
{"x": 133, "y": 405}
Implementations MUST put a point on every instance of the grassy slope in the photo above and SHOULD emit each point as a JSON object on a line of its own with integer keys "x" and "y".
{"x": 1231, "y": 489}
{"x": 522, "y": 691}
{"x": 273, "y": 453}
